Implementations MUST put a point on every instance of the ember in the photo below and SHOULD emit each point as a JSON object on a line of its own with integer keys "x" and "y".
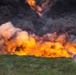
{"x": 15, "y": 41}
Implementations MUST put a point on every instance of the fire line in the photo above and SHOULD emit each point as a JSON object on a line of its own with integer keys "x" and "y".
{"x": 15, "y": 41}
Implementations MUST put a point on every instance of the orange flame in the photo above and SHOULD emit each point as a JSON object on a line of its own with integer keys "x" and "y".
{"x": 39, "y": 9}
{"x": 21, "y": 43}
{"x": 32, "y": 3}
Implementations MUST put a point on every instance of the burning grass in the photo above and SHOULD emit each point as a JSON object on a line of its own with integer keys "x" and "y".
{"x": 26, "y": 65}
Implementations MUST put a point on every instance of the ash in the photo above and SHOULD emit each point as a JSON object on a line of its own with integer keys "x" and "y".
{"x": 59, "y": 17}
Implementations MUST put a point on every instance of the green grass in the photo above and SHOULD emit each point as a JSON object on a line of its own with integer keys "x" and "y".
{"x": 27, "y": 65}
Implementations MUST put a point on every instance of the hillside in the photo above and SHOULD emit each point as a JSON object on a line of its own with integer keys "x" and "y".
{"x": 26, "y": 65}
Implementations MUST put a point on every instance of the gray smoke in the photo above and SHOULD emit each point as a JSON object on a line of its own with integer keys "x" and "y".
{"x": 61, "y": 25}
{"x": 21, "y": 39}
{"x": 60, "y": 17}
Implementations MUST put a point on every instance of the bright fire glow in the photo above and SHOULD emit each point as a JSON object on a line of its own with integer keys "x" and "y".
{"x": 32, "y": 3}
{"x": 40, "y": 10}
{"x": 16, "y": 41}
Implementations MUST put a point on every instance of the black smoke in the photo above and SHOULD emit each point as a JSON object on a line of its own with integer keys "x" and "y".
{"x": 59, "y": 17}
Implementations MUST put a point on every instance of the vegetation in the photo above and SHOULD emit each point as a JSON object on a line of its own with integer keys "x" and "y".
{"x": 27, "y": 65}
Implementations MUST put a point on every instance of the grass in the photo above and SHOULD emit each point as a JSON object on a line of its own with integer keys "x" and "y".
{"x": 27, "y": 65}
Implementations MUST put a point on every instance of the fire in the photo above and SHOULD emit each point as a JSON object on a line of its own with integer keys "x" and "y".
{"x": 39, "y": 9}
{"x": 33, "y": 5}
{"x": 15, "y": 41}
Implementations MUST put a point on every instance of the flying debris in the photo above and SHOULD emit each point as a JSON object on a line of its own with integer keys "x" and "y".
{"x": 39, "y": 8}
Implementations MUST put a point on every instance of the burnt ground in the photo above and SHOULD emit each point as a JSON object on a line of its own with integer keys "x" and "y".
{"x": 60, "y": 17}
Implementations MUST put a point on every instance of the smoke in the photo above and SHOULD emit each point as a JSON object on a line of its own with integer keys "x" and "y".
{"x": 61, "y": 25}
{"x": 11, "y": 36}
{"x": 16, "y": 41}
{"x": 60, "y": 16}
{"x": 7, "y": 30}
{"x": 61, "y": 8}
